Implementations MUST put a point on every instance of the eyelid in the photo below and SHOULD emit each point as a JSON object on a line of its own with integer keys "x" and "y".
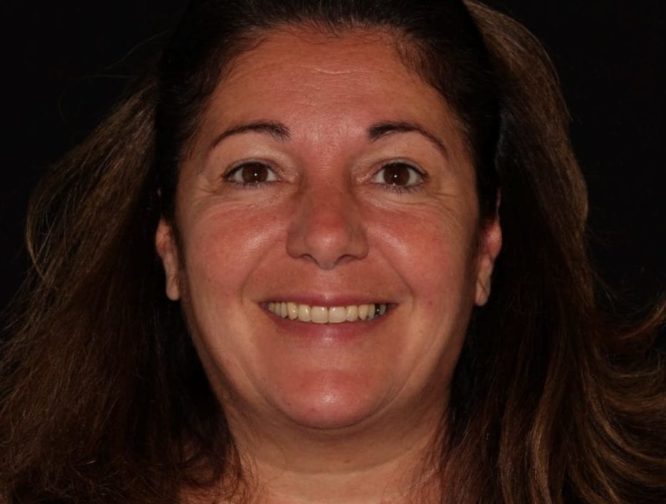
{"x": 237, "y": 167}
{"x": 413, "y": 168}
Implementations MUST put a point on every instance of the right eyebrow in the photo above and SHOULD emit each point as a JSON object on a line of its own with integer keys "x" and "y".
{"x": 275, "y": 129}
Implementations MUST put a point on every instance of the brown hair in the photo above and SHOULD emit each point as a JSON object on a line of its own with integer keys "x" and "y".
{"x": 103, "y": 398}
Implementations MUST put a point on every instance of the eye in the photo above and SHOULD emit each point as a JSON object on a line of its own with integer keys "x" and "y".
{"x": 399, "y": 175}
{"x": 251, "y": 173}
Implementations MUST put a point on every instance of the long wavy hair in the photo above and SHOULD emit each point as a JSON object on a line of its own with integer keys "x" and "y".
{"x": 103, "y": 398}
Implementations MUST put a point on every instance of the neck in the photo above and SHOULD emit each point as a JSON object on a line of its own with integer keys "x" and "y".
{"x": 385, "y": 461}
{"x": 403, "y": 478}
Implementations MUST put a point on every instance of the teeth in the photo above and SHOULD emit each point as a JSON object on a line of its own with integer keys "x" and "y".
{"x": 319, "y": 314}
{"x": 352, "y": 313}
{"x": 303, "y": 313}
{"x": 327, "y": 315}
{"x": 337, "y": 314}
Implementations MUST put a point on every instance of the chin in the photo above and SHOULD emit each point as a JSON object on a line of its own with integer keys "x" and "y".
{"x": 330, "y": 400}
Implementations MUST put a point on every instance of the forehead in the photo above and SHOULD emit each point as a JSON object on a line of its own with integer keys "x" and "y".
{"x": 328, "y": 90}
{"x": 296, "y": 70}
{"x": 329, "y": 53}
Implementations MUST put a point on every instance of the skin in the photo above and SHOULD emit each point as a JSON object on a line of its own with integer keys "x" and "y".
{"x": 329, "y": 413}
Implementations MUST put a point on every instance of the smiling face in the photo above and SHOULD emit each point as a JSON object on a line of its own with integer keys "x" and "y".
{"x": 331, "y": 248}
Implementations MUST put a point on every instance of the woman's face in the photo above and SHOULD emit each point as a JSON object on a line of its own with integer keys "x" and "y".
{"x": 327, "y": 177}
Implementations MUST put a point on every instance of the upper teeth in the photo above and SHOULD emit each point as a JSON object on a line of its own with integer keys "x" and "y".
{"x": 327, "y": 315}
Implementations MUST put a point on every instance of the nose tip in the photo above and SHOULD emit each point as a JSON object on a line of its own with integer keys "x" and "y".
{"x": 327, "y": 230}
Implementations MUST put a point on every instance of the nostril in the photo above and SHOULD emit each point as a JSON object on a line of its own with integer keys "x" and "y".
{"x": 328, "y": 233}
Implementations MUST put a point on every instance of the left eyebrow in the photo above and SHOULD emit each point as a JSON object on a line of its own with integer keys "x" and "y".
{"x": 378, "y": 130}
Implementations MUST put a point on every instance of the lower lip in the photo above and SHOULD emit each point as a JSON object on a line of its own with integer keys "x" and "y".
{"x": 335, "y": 331}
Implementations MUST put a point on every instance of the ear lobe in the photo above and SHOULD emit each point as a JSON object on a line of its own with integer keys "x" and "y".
{"x": 165, "y": 244}
{"x": 490, "y": 245}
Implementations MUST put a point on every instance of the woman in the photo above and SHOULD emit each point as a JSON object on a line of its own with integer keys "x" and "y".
{"x": 267, "y": 278}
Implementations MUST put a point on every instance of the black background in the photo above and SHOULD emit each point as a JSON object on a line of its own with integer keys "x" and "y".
{"x": 65, "y": 63}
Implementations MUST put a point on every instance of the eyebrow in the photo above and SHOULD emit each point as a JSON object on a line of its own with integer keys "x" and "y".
{"x": 381, "y": 129}
{"x": 275, "y": 129}
{"x": 378, "y": 130}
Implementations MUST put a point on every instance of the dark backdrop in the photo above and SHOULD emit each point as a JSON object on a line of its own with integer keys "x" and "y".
{"x": 67, "y": 62}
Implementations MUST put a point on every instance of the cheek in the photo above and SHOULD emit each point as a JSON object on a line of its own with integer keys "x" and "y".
{"x": 223, "y": 245}
{"x": 433, "y": 251}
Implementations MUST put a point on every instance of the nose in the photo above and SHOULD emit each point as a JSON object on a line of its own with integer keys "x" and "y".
{"x": 326, "y": 228}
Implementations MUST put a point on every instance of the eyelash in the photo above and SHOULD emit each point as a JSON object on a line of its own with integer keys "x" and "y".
{"x": 237, "y": 170}
{"x": 413, "y": 186}
{"x": 402, "y": 188}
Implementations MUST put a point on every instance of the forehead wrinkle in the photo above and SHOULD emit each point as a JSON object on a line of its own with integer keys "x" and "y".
{"x": 354, "y": 37}
{"x": 332, "y": 72}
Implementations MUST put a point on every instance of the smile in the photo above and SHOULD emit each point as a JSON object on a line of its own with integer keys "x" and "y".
{"x": 327, "y": 315}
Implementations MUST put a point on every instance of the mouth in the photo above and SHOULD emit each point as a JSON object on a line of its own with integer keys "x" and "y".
{"x": 327, "y": 314}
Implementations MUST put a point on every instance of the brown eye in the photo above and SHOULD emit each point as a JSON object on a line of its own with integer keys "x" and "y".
{"x": 251, "y": 173}
{"x": 399, "y": 174}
